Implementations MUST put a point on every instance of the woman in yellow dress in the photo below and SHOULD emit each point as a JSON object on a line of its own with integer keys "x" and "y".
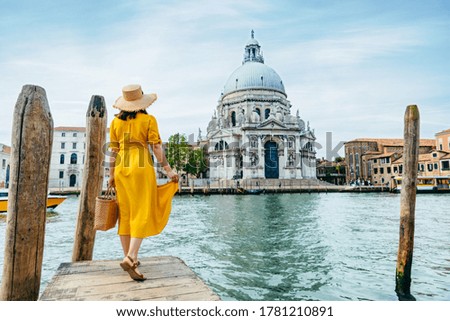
{"x": 144, "y": 207}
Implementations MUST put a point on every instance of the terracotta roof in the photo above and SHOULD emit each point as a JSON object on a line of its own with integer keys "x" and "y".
{"x": 371, "y": 152}
{"x": 382, "y": 155}
{"x": 6, "y": 149}
{"x": 70, "y": 129}
{"x": 392, "y": 141}
{"x": 445, "y": 131}
{"x": 425, "y": 157}
{"x": 428, "y": 142}
{"x": 376, "y": 140}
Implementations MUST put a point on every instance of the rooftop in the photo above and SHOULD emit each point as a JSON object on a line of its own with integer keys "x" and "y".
{"x": 70, "y": 129}
{"x": 391, "y": 141}
{"x": 444, "y": 132}
{"x": 5, "y": 149}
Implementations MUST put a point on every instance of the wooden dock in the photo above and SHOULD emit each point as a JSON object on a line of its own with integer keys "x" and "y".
{"x": 168, "y": 279}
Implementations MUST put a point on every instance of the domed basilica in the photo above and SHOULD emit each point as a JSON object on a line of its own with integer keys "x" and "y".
{"x": 252, "y": 133}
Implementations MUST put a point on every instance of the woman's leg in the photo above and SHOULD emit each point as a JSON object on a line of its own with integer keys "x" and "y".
{"x": 130, "y": 259}
{"x": 125, "y": 240}
{"x": 135, "y": 245}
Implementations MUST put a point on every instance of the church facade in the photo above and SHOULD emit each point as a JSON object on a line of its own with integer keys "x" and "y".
{"x": 252, "y": 133}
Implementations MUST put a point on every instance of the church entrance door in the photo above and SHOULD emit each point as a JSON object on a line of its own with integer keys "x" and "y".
{"x": 271, "y": 167}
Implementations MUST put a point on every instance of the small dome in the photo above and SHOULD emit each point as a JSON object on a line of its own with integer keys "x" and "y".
{"x": 252, "y": 41}
{"x": 254, "y": 75}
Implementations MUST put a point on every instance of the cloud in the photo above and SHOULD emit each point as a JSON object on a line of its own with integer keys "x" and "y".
{"x": 346, "y": 74}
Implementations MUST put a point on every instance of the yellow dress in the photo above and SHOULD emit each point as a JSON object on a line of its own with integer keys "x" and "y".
{"x": 144, "y": 207}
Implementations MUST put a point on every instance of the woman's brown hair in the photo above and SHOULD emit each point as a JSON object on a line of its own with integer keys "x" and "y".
{"x": 125, "y": 115}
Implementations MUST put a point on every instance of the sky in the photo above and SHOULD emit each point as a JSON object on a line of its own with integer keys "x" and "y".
{"x": 349, "y": 67}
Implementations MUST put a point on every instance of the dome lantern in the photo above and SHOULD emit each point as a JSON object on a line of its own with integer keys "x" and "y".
{"x": 252, "y": 51}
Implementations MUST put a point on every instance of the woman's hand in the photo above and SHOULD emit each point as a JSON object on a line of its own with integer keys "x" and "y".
{"x": 173, "y": 176}
{"x": 111, "y": 181}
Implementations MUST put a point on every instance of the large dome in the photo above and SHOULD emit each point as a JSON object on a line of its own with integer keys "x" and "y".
{"x": 253, "y": 75}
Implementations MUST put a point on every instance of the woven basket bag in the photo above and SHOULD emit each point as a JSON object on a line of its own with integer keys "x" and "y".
{"x": 106, "y": 210}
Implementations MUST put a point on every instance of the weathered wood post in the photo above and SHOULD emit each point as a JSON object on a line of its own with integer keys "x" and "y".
{"x": 96, "y": 118}
{"x": 408, "y": 204}
{"x": 32, "y": 138}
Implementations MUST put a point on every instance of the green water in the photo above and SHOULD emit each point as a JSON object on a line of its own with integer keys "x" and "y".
{"x": 335, "y": 246}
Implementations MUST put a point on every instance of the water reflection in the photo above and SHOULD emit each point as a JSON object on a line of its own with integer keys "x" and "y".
{"x": 268, "y": 244}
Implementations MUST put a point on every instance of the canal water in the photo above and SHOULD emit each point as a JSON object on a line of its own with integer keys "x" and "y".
{"x": 336, "y": 246}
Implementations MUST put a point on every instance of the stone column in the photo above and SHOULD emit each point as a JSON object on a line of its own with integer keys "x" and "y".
{"x": 246, "y": 156}
{"x": 285, "y": 173}
{"x": 298, "y": 158}
{"x": 260, "y": 158}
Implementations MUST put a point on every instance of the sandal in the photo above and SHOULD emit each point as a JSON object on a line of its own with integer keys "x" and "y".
{"x": 131, "y": 269}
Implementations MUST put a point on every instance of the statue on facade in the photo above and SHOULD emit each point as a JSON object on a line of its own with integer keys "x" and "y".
{"x": 253, "y": 159}
{"x": 279, "y": 115}
{"x": 255, "y": 118}
{"x": 222, "y": 120}
{"x": 253, "y": 142}
{"x": 241, "y": 118}
{"x": 272, "y": 114}
{"x": 291, "y": 159}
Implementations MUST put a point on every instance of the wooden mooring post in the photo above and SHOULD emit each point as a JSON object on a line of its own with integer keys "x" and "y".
{"x": 32, "y": 138}
{"x": 408, "y": 204}
{"x": 96, "y": 118}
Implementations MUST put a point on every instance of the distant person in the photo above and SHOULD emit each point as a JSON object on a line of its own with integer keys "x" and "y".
{"x": 144, "y": 208}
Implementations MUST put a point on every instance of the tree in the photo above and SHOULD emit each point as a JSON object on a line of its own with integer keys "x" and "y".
{"x": 177, "y": 151}
{"x": 196, "y": 163}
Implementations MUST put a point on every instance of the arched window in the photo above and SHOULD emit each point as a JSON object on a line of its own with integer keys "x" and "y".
{"x": 233, "y": 118}
{"x": 267, "y": 113}
{"x": 258, "y": 111}
{"x": 73, "y": 158}
{"x": 61, "y": 159}
{"x": 308, "y": 147}
{"x": 222, "y": 145}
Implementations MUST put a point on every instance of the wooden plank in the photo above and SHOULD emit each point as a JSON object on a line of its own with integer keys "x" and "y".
{"x": 100, "y": 279}
{"x": 141, "y": 293}
{"x": 97, "y": 266}
{"x": 168, "y": 278}
{"x": 118, "y": 287}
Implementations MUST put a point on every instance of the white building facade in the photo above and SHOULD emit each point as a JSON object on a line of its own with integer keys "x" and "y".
{"x": 5, "y": 155}
{"x": 68, "y": 157}
{"x": 252, "y": 134}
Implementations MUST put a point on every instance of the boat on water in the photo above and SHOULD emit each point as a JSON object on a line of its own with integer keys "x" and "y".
{"x": 249, "y": 191}
{"x": 52, "y": 201}
{"x": 425, "y": 184}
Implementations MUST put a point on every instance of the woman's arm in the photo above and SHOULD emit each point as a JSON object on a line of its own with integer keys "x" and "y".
{"x": 112, "y": 165}
{"x": 161, "y": 157}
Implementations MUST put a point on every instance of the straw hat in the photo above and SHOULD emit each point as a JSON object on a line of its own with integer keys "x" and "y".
{"x": 133, "y": 99}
